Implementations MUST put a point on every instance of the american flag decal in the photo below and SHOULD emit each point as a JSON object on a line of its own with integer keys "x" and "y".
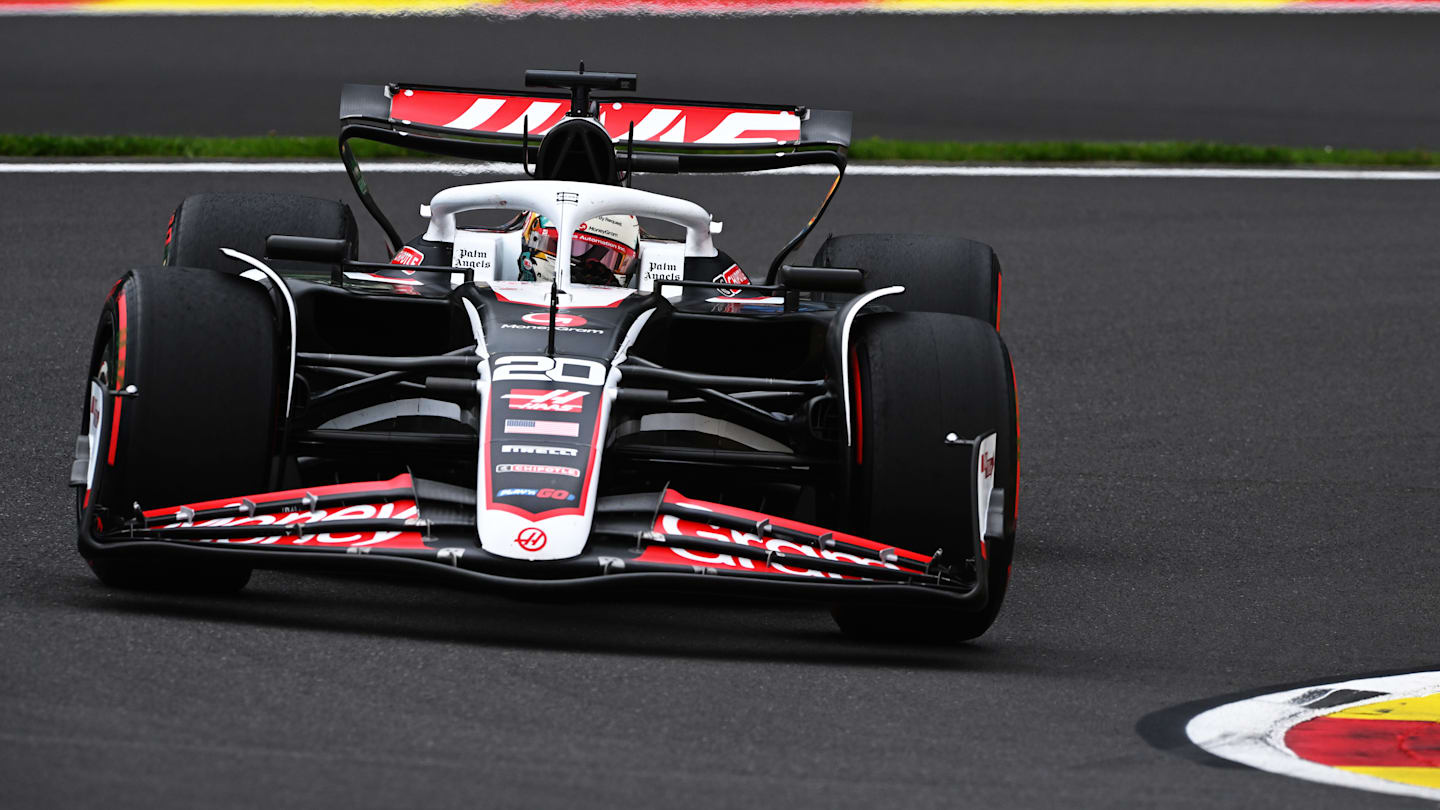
{"x": 541, "y": 427}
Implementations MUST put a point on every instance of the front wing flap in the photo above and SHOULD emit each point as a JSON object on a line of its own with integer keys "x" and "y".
{"x": 650, "y": 541}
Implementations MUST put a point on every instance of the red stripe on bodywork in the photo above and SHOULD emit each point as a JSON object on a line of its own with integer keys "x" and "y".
{"x": 323, "y": 528}
{"x": 1354, "y": 742}
{"x": 401, "y": 481}
{"x": 431, "y": 107}
{"x": 673, "y": 556}
{"x": 508, "y": 113}
{"x": 691, "y": 122}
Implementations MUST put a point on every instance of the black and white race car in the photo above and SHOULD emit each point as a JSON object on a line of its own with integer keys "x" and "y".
{"x": 267, "y": 400}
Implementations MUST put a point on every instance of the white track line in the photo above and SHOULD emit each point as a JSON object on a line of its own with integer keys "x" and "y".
{"x": 855, "y": 170}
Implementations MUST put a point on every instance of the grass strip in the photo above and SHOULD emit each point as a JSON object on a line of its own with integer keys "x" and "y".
{"x": 886, "y": 149}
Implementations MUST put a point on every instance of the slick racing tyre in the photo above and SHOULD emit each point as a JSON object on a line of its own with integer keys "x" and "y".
{"x": 922, "y": 376}
{"x": 939, "y": 273}
{"x": 193, "y": 356}
{"x": 204, "y": 223}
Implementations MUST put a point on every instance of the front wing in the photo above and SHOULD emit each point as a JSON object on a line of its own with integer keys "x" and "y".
{"x": 651, "y": 541}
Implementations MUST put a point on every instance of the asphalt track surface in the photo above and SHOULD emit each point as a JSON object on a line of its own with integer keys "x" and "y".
{"x": 1227, "y": 398}
{"x": 1331, "y": 79}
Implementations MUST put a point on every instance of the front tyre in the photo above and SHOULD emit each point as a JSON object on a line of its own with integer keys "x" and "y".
{"x": 922, "y": 376}
{"x": 193, "y": 357}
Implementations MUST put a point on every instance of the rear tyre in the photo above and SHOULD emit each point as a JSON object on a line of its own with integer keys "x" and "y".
{"x": 923, "y": 375}
{"x": 200, "y": 349}
{"x": 939, "y": 273}
{"x": 204, "y": 223}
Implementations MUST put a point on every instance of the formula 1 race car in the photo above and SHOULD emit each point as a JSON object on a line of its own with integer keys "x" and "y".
{"x": 265, "y": 399}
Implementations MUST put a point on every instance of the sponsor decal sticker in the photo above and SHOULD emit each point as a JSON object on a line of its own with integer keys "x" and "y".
{"x": 97, "y": 415}
{"x": 539, "y": 450}
{"x": 284, "y": 521}
{"x": 474, "y": 252}
{"x": 663, "y": 271}
{"x": 472, "y": 258}
{"x": 669, "y": 123}
{"x": 987, "y": 464}
{"x": 538, "y": 469}
{"x": 530, "y": 539}
{"x": 1380, "y": 734}
{"x": 548, "y": 492}
{"x": 578, "y": 329}
{"x": 540, "y": 427}
{"x": 661, "y": 123}
{"x": 408, "y": 256}
{"x": 732, "y": 276}
{"x": 559, "y": 400}
{"x": 569, "y": 370}
{"x": 561, "y": 319}
{"x": 670, "y": 524}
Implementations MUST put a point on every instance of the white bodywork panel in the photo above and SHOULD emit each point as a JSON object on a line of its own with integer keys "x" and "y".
{"x": 266, "y": 273}
{"x": 698, "y": 423}
{"x": 985, "y": 481}
{"x": 485, "y": 256}
{"x": 845, "y": 382}
{"x": 661, "y": 261}
{"x": 94, "y": 426}
{"x": 567, "y": 534}
{"x": 394, "y": 410}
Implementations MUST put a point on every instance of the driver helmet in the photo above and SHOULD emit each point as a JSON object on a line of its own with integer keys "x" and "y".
{"x": 602, "y": 252}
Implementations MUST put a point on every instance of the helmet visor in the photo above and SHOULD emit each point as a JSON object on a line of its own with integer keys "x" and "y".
{"x": 591, "y": 256}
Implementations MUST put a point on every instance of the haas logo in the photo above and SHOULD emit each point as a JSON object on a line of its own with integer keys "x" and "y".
{"x": 558, "y": 401}
{"x": 561, "y": 319}
{"x": 531, "y": 539}
{"x": 987, "y": 465}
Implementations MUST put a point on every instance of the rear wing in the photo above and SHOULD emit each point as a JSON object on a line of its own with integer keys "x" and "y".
{"x": 601, "y": 138}
{"x": 665, "y": 135}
